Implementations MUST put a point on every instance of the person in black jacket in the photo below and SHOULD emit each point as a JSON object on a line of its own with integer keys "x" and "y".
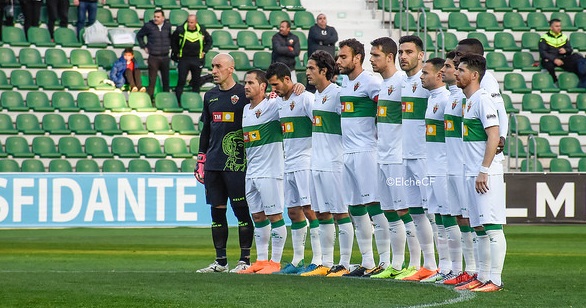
{"x": 189, "y": 44}
{"x": 321, "y": 37}
{"x": 286, "y": 47}
{"x": 158, "y": 34}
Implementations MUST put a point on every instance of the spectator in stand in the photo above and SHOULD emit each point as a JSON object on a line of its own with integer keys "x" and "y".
{"x": 57, "y": 9}
{"x": 321, "y": 37}
{"x": 158, "y": 35}
{"x": 31, "y": 9}
{"x": 89, "y": 7}
{"x": 286, "y": 47}
{"x": 124, "y": 71}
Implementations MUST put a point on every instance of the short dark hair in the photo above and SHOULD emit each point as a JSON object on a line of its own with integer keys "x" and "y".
{"x": 128, "y": 50}
{"x": 356, "y": 46}
{"x": 324, "y": 60}
{"x": 412, "y": 39}
{"x": 437, "y": 63}
{"x": 261, "y": 76}
{"x": 387, "y": 45}
{"x": 159, "y": 11}
{"x": 278, "y": 69}
{"x": 554, "y": 20}
{"x": 287, "y": 22}
{"x": 474, "y": 44}
{"x": 475, "y": 63}
{"x": 451, "y": 55}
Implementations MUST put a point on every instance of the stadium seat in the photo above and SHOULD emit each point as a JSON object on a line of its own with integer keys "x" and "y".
{"x": 568, "y": 6}
{"x": 28, "y": 124}
{"x": 582, "y": 165}
{"x": 305, "y": 19}
{"x": 128, "y": 18}
{"x": 578, "y": 40}
{"x": 192, "y": 102}
{"x": 117, "y": 4}
{"x": 54, "y": 124}
{"x": 521, "y": 6}
{"x": 562, "y": 103}
{"x": 4, "y": 84}
{"x": 544, "y": 5}
{"x": 515, "y": 83}
{"x": 9, "y": 165}
{"x": 142, "y": 4}
{"x": 132, "y": 125}
{"x": 38, "y": 101}
{"x": 261, "y": 60}
{"x": 543, "y": 82}
{"x": 515, "y": 22}
{"x": 45, "y": 147}
{"x": 580, "y": 20}
{"x": 71, "y": 147}
{"x": 116, "y": 102}
{"x": 97, "y": 147}
{"x": 32, "y": 165}
{"x": 106, "y": 58}
{"x": 241, "y": 62}
{"x": 8, "y": 58}
{"x": 139, "y": 165}
{"x": 266, "y": 39}
{"x": 471, "y": 6}
{"x": 158, "y": 124}
{"x": 56, "y": 58}
{"x": 167, "y": 4}
{"x": 95, "y": 80}
{"x": 223, "y": 40}
{"x": 232, "y": 19}
{"x": 31, "y": 58}
{"x": 581, "y": 102}
{"x": 208, "y": 19}
{"x": 524, "y": 61}
{"x": 542, "y": 148}
{"x": 165, "y": 165}
{"x": 141, "y": 102}
{"x": 514, "y": 147}
{"x": 139, "y": 61}
{"x": 123, "y": 147}
{"x": 188, "y": 165}
{"x": 82, "y": 58}
{"x": 243, "y": 5}
{"x": 497, "y": 62}
{"x": 2, "y": 153}
{"x": 86, "y": 165}
{"x": 48, "y": 80}
{"x": 551, "y": 125}
{"x": 268, "y": 5}
{"x": 534, "y": 103}
{"x": 530, "y": 166}
{"x": 194, "y": 145}
{"x": 6, "y": 126}
{"x": 295, "y": 5}
{"x": 89, "y": 102}
{"x": 23, "y": 80}
{"x": 17, "y": 146}
{"x": 523, "y": 124}
{"x": 104, "y": 16}
{"x": 302, "y": 39}
{"x": 12, "y": 101}
{"x": 505, "y": 41}
{"x": 413, "y": 5}
{"x": 566, "y": 20}
{"x": 537, "y": 21}
{"x": 183, "y": 124}
{"x": 443, "y": 5}
{"x": 530, "y": 40}
{"x": 498, "y": 5}
{"x": 66, "y": 38}
{"x": 248, "y": 40}
{"x": 482, "y": 38}
{"x": 405, "y": 21}
{"x": 488, "y": 22}
{"x": 176, "y": 148}
{"x": 73, "y": 80}
{"x": 569, "y": 82}
{"x": 577, "y": 124}
{"x": 257, "y": 20}
{"x": 560, "y": 165}
{"x": 80, "y": 124}
{"x": 60, "y": 165}
{"x": 276, "y": 17}
{"x": 208, "y": 59}
{"x": 449, "y": 42}
{"x": 150, "y": 148}
{"x": 178, "y": 17}
{"x": 113, "y": 165}
{"x": 571, "y": 147}
{"x": 167, "y": 102}
{"x": 106, "y": 124}
{"x": 14, "y": 36}
{"x": 193, "y": 4}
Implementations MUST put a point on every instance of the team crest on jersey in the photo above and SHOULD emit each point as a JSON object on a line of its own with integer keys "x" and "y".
{"x": 468, "y": 107}
{"x": 414, "y": 87}
{"x": 324, "y": 100}
{"x": 292, "y": 105}
{"x": 258, "y": 113}
{"x": 234, "y": 99}
{"x": 454, "y": 104}
{"x": 390, "y": 90}
{"x": 435, "y": 108}
{"x": 356, "y": 86}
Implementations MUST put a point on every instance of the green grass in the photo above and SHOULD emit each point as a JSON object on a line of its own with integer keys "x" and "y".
{"x": 155, "y": 268}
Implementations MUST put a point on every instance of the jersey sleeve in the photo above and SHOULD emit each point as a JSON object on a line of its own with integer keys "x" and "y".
{"x": 204, "y": 138}
{"x": 487, "y": 114}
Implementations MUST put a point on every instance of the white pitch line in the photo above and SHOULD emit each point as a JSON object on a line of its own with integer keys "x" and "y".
{"x": 463, "y": 296}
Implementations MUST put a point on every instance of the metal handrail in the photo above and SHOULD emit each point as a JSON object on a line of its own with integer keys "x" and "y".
{"x": 441, "y": 31}
{"x": 424, "y": 28}
{"x": 513, "y": 116}
{"x": 532, "y": 139}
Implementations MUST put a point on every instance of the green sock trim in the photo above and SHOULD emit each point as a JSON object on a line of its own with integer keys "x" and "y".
{"x": 438, "y": 219}
{"x": 493, "y": 227}
{"x": 345, "y": 220}
{"x": 327, "y": 222}
{"x": 449, "y": 221}
{"x": 407, "y": 218}
{"x": 374, "y": 209}
{"x": 278, "y": 223}
{"x": 358, "y": 210}
{"x": 481, "y": 233}
{"x": 416, "y": 210}
{"x": 261, "y": 224}
{"x": 392, "y": 216}
{"x": 464, "y": 229}
{"x": 314, "y": 223}
{"x": 298, "y": 225}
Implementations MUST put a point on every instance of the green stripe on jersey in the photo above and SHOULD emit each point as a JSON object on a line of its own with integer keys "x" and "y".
{"x": 414, "y": 107}
{"x": 453, "y": 126}
{"x": 296, "y": 127}
{"x": 356, "y": 107}
{"x": 327, "y": 122}
{"x": 389, "y": 112}
{"x": 474, "y": 130}
{"x": 257, "y": 135}
{"x": 434, "y": 131}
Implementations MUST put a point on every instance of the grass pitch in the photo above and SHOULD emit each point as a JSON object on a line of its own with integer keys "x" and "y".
{"x": 155, "y": 268}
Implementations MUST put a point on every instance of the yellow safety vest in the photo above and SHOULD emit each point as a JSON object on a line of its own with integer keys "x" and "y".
{"x": 553, "y": 40}
{"x": 192, "y": 37}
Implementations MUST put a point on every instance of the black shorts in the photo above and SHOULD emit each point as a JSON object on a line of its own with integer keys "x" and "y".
{"x": 221, "y": 185}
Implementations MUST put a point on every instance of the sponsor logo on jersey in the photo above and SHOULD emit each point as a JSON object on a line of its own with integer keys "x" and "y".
{"x": 382, "y": 111}
{"x": 356, "y": 86}
{"x": 407, "y": 106}
{"x": 414, "y": 87}
{"x": 287, "y": 127}
{"x": 317, "y": 121}
{"x": 454, "y": 104}
{"x": 252, "y": 136}
{"x": 431, "y": 130}
{"x": 324, "y": 100}
{"x": 234, "y": 99}
{"x": 223, "y": 116}
{"x": 495, "y": 94}
{"x": 292, "y": 105}
{"x": 465, "y": 133}
{"x": 347, "y": 107}
{"x": 449, "y": 125}
{"x": 258, "y": 113}
{"x": 390, "y": 90}
{"x": 490, "y": 116}
{"x": 435, "y": 108}
{"x": 215, "y": 99}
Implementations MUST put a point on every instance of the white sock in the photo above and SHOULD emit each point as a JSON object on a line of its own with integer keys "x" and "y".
{"x": 468, "y": 250}
{"x": 498, "y": 251}
{"x": 346, "y": 239}
{"x": 279, "y": 237}
{"x": 455, "y": 247}
{"x": 327, "y": 237}
{"x": 262, "y": 236}
{"x": 364, "y": 239}
{"x": 382, "y": 238}
{"x": 316, "y": 245}
{"x": 398, "y": 239}
{"x": 483, "y": 243}
{"x": 413, "y": 245}
{"x": 445, "y": 264}
{"x": 298, "y": 236}
{"x": 425, "y": 237}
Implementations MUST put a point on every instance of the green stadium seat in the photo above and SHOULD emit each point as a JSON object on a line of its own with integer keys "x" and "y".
{"x": 208, "y": 59}
{"x": 167, "y": 102}
{"x": 248, "y": 40}
{"x": 60, "y": 165}
{"x": 268, "y": 5}
{"x": 150, "y": 148}
{"x": 276, "y": 17}
{"x": 178, "y": 17}
{"x": 141, "y": 101}
{"x": 28, "y": 124}
{"x": 31, "y": 58}
{"x": 116, "y": 102}
{"x": 482, "y": 38}
{"x": 193, "y": 4}
{"x": 192, "y": 102}
{"x": 544, "y": 5}
{"x": 232, "y": 19}
{"x": 523, "y": 124}
{"x": 582, "y": 165}
{"x": 515, "y": 83}
{"x": 562, "y": 103}
{"x": 449, "y": 42}
{"x": 498, "y": 5}
{"x": 509, "y": 104}
{"x": 106, "y": 124}
{"x": 542, "y": 148}
{"x": 551, "y": 125}
{"x": 534, "y": 103}
{"x": 543, "y": 82}
{"x": 571, "y": 147}
{"x": 97, "y": 147}
{"x": 167, "y": 4}
{"x": 70, "y": 147}
{"x": 82, "y": 58}
{"x": 505, "y": 41}
{"x": 6, "y": 126}
{"x": 148, "y": 14}
{"x": 139, "y": 165}
{"x": 302, "y": 39}
{"x": 515, "y": 22}
{"x": 12, "y": 101}
{"x": 405, "y": 21}
{"x": 142, "y": 4}
{"x": 17, "y": 147}
{"x": 525, "y": 61}
{"x": 257, "y": 20}
{"x": 578, "y": 40}
{"x": 32, "y": 165}
{"x": 86, "y": 165}
{"x": 514, "y": 147}
{"x": 194, "y": 145}
{"x": 530, "y": 166}
{"x": 66, "y": 38}
{"x": 48, "y": 80}
{"x": 566, "y": 20}
{"x": 261, "y": 60}
{"x": 124, "y": 147}
{"x": 89, "y": 102}
{"x": 471, "y": 6}
{"x": 73, "y": 80}
{"x": 165, "y": 165}
{"x": 266, "y": 39}
{"x": 183, "y": 124}
{"x": 577, "y": 124}
{"x": 208, "y": 19}
{"x": 530, "y": 40}
{"x": 521, "y": 6}
{"x": 14, "y": 36}
{"x": 113, "y": 165}
{"x": 106, "y": 58}
{"x": 4, "y": 84}
{"x": 104, "y": 16}
{"x": 537, "y": 21}
{"x": 117, "y": 4}
{"x": 56, "y": 58}
{"x": 243, "y": 5}
{"x": 497, "y": 62}
{"x": 443, "y": 5}
{"x": 580, "y": 20}
{"x": 241, "y": 62}
{"x": 140, "y": 63}
{"x": 560, "y": 165}
{"x": 188, "y": 165}
{"x": 222, "y": 39}
{"x": 305, "y": 19}
{"x": 176, "y": 148}
{"x": 38, "y": 101}
{"x": 295, "y": 5}
{"x": 581, "y": 102}
{"x": 23, "y": 80}
{"x": 128, "y": 18}
{"x": 132, "y": 125}
{"x": 45, "y": 147}
{"x": 54, "y": 124}
{"x": 95, "y": 80}
{"x": 413, "y": 5}
{"x": 9, "y": 165}
{"x": 80, "y": 124}
{"x": 488, "y": 22}
{"x": 569, "y": 82}
{"x": 158, "y": 124}
{"x": 568, "y": 5}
